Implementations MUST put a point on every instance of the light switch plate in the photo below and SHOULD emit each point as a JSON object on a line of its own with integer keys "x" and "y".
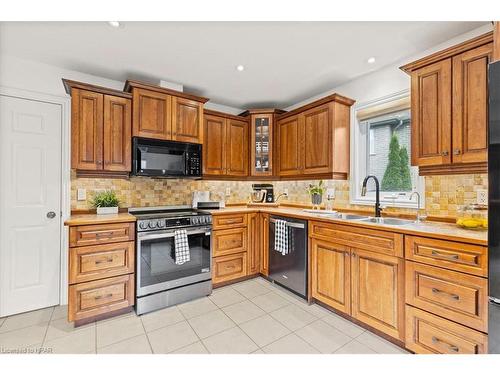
{"x": 81, "y": 194}
{"x": 228, "y": 192}
{"x": 482, "y": 197}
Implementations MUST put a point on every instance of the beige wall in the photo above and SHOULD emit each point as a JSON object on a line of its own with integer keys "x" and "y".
{"x": 443, "y": 194}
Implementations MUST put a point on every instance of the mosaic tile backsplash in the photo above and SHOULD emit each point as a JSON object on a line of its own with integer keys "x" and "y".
{"x": 443, "y": 194}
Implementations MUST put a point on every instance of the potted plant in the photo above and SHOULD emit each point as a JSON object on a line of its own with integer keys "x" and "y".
{"x": 316, "y": 192}
{"x": 106, "y": 202}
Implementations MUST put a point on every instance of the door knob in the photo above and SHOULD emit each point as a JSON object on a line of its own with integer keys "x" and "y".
{"x": 51, "y": 214}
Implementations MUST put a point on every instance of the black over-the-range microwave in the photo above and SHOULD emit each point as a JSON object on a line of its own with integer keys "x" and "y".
{"x": 167, "y": 159}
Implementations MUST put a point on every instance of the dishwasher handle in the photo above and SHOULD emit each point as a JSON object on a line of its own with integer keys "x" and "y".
{"x": 290, "y": 224}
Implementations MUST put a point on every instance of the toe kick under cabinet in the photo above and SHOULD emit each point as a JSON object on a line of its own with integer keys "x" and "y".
{"x": 101, "y": 271}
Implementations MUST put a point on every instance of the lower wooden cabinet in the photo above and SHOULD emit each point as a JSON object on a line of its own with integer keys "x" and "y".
{"x": 229, "y": 267}
{"x": 378, "y": 291}
{"x": 331, "y": 274}
{"x": 88, "y": 300}
{"x": 229, "y": 241}
{"x": 427, "y": 333}
{"x": 264, "y": 248}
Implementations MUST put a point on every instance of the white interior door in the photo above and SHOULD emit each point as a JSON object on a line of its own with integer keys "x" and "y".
{"x": 30, "y": 204}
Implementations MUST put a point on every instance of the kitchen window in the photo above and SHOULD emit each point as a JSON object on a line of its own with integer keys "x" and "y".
{"x": 382, "y": 147}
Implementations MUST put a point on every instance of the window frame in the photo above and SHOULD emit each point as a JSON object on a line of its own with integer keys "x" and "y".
{"x": 359, "y": 160}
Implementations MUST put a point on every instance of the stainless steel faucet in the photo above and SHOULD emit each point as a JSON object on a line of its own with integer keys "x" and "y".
{"x": 377, "y": 193}
{"x": 419, "y": 217}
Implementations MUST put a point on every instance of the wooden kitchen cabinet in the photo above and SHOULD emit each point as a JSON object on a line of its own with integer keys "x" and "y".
{"x": 100, "y": 129}
{"x": 225, "y": 150}
{"x": 254, "y": 243}
{"x": 313, "y": 140}
{"x": 331, "y": 274}
{"x": 264, "y": 248}
{"x": 377, "y": 283}
{"x": 449, "y": 106}
{"x": 162, "y": 113}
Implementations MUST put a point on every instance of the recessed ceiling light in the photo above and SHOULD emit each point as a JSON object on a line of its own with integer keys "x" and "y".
{"x": 240, "y": 68}
{"x": 371, "y": 60}
{"x": 114, "y": 23}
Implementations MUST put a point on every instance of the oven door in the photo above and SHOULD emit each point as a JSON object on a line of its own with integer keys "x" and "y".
{"x": 156, "y": 268}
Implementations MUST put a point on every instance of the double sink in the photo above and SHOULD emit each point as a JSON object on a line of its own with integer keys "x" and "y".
{"x": 369, "y": 219}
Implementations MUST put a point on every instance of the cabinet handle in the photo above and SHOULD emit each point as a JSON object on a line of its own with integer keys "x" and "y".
{"x": 108, "y": 260}
{"x": 445, "y": 153}
{"x": 105, "y": 296}
{"x": 451, "y": 257}
{"x": 438, "y": 291}
{"x": 435, "y": 340}
{"x": 457, "y": 151}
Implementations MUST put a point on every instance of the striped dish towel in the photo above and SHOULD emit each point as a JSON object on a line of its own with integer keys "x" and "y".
{"x": 182, "y": 254}
{"x": 281, "y": 237}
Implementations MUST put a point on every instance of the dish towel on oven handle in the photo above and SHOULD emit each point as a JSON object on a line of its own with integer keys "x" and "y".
{"x": 182, "y": 254}
{"x": 281, "y": 244}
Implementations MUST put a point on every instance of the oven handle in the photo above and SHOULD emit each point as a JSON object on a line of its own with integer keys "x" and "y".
{"x": 171, "y": 233}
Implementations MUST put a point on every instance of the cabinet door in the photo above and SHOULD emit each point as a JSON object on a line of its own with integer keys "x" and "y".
{"x": 117, "y": 133}
{"x": 331, "y": 274}
{"x": 261, "y": 145}
{"x": 431, "y": 114}
{"x": 187, "y": 120}
{"x": 86, "y": 130}
{"x": 470, "y": 105}
{"x": 253, "y": 243}
{"x": 152, "y": 114}
{"x": 214, "y": 146}
{"x": 289, "y": 143}
{"x": 377, "y": 283}
{"x": 317, "y": 138}
{"x": 237, "y": 148}
{"x": 264, "y": 249}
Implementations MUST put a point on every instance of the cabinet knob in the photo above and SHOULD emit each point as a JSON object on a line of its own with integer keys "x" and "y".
{"x": 457, "y": 151}
{"x": 445, "y": 153}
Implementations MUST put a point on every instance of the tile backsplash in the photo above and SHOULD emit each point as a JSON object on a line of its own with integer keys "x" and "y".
{"x": 443, "y": 194}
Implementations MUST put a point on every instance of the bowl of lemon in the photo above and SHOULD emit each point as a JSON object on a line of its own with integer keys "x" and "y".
{"x": 473, "y": 217}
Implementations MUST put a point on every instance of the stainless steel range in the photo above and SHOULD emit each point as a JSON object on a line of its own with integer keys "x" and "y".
{"x": 160, "y": 282}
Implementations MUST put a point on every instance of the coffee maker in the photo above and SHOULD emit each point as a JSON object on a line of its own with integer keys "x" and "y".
{"x": 268, "y": 189}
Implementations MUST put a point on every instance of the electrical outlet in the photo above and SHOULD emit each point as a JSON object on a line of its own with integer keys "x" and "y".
{"x": 330, "y": 193}
{"x": 285, "y": 191}
{"x": 81, "y": 194}
{"x": 228, "y": 192}
{"x": 482, "y": 197}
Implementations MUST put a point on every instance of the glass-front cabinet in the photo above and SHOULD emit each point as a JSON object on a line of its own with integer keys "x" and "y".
{"x": 261, "y": 140}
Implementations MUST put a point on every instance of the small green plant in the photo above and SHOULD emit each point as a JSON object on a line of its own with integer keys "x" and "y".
{"x": 316, "y": 189}
{"x": 105, "y": 198}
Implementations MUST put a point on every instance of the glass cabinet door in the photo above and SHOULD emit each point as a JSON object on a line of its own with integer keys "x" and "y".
{"x": 262, "y": 144}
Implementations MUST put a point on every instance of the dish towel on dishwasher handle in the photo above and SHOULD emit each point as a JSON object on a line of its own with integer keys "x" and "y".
{"x": 281, "y": 237}
{"x": 182, "y": 254}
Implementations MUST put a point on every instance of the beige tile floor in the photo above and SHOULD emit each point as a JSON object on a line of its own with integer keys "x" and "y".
{"x": 253, "y": 316}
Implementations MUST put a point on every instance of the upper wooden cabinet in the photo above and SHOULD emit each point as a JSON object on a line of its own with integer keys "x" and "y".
{"x": 225, "y": 149}
{"x": 449, "y": 106}
{"x": 162, "y": 113}
{"x": 262, "y": 143}
{"x": 100, "y": 129}
{"x": 313, "y": 140}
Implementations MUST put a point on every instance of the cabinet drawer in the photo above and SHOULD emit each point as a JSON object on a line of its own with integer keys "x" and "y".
{"x": 229, "y": 221}
{"x": 429, "y": 334}
{"x": 85, "y": 235}
{"x": 87, "y": 263}
{"x": 229, "y": 267}
{"x": 361, "y": 238}
{"x": 456, "y": 256}
{"x": 456, "y": 296}
{"x": 93, "y": 298}
{"x": 229, "y": 241}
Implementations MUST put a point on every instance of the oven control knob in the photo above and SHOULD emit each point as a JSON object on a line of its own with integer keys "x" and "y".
{"x": 203, "y": 219}
{"x": 152, "y": 224}
{"x": 143, "y": 225}
{"x": 195, "y": 220}
{"x": 209, "y": 219}
{"x": 161, "y": 223}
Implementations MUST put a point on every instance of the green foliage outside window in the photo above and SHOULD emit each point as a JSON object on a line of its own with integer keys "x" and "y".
{"x": 397, "y": 174}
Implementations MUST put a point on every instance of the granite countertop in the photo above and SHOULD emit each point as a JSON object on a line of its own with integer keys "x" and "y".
{"x": 428, "y": 228}
{"x": 88, "y": 219}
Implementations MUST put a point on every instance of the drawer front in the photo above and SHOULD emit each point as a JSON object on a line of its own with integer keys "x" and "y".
{"x": 229, "y": 267}
{"x": 229, "y": 241}
{"x": 89, "y": 263}
{"x": 453, "y": 295}
{"x": 361, "y": 238}
{"x": 87, "y": 300}
{"x": 229, "y": 221}
{"x": 456, "y": 256}
{"x": 86, "y": 235}
{"x": 429, "y": 334}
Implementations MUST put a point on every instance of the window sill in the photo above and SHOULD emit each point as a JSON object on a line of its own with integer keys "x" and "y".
{"x": 385, "y": 203}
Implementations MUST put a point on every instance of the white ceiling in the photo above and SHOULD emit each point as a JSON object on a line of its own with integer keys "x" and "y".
{"x": 285, "y": 62}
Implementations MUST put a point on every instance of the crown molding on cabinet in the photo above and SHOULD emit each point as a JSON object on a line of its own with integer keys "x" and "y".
{"x": 130, "y": 84}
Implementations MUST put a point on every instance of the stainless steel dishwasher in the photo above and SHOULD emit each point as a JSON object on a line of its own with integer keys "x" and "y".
{"x": 290, "y": 270}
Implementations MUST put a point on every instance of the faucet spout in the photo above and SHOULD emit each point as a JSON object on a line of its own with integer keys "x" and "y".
{"x": 377, "y": 193}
